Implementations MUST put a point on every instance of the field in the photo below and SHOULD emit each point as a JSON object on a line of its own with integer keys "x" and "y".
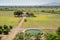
{"x": 43, "y": 20}
{"x": 7, "y": 17}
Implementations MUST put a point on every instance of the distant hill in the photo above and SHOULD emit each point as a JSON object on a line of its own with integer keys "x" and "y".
{"x": 52, "y": 4}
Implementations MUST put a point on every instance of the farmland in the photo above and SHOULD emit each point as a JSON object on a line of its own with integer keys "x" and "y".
{"x": 7, "y": 17}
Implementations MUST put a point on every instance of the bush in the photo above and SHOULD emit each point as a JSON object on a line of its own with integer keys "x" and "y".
{"x": 58, "y": 31}
{"x": 0, "y": 31}
{"x": 50, "y": 36}
{"x": 43, "y": 11}
{"x": 0, "y": 27}
{"x": 18, "y": 13}
{"x": 5, "y": 27}
{"x": 25, "y": 20}
{"x": 10, "y": 27}
{"x": 19, "y": 36}
{"x": 6, "y": 31}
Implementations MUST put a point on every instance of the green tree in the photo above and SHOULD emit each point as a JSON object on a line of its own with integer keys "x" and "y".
{"x": 38, "y": 36}
{"x": 18, "y": 13}
{"x": 58, "y": 31}
{"x": 1, "y": 30}
{"x": 10, "y": 27}
{"x": 6, "y": 29}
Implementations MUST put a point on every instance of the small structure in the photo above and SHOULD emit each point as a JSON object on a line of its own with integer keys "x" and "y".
{"x": 24, "y": 14}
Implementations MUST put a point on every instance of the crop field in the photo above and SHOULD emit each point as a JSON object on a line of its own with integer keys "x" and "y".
{"x": 43, "y": 20}
{"x": 7, "y": 17}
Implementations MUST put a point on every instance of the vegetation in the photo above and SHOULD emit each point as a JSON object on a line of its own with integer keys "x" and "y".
{"x": 51, "y": 11}
{"x": 5, "y": 29}
{"x": 58, "y": 31}
{"x": 53, "y": 36}
{"x": 19, "y": 36}
{"x": 7, "y": 17}
{"x": 37, "y": 17}
{"x": 42, "y": 20}
{"x": 28, "y": 36}
{"x": 18, "y": 13}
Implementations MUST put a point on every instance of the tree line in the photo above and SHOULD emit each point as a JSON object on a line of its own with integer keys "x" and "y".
{"x": 20, "y": 14}
{"x": 51, "y": 11}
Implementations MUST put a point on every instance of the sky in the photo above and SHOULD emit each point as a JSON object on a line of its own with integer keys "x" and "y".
{"x": 25, "y": 2}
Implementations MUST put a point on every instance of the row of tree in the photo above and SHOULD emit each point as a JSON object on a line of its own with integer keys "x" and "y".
{"x": 5, "y": 29}
{"x": 6, "y": 9}
{"x": 51, "y": 11}
{"x": 20, "y": 14}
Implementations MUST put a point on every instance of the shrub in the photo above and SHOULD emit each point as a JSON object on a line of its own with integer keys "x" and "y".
{"x": 10, "y": 27}
{"x": 58, "y": 31}
{"x": 5, "y": 27}
{"x": 6, "y": 31}
{"x": 0, "y": 27}
{"x": 18, "y": 13}
{"x": 0, "y": 31}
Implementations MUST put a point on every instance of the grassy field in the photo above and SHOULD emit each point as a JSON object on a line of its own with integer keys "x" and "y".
{"x": 43, "y": 20}
{"x": 7, "y": 17}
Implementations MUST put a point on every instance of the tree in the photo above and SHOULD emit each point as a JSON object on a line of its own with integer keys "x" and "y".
{"x": 6, "y": 30}
{"x": 0, "y": 29}
{"x": 43, "y": 11}
{"x": 10, "y": 27}
{"x": 21, "y": 36}
{"x": 38, "y": 36}
{"x": 5, "y": 27}
{"x": 58, "y": 31}
{"x": 28, "y": 14}
{"x": 25, "y": 20}
{"x": 18, "y": 13}
{"x": 52, "y": 11}
{"x": 50, "y": 36}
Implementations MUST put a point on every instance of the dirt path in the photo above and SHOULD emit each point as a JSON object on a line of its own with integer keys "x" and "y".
{"x": 15, "y": 30}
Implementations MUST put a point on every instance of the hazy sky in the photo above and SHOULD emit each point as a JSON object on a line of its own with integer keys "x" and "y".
{"x": 25, "y": 2}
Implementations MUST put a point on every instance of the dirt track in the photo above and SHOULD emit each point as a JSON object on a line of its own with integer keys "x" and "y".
{"x": 15, "y": 30}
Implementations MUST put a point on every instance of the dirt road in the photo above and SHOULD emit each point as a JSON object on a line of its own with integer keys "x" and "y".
{"x": 15, "y": 30}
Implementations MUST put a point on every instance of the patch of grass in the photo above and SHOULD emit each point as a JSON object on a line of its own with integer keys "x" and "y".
{"x": 7, "y": 17}
{"x": 43, "y": 21}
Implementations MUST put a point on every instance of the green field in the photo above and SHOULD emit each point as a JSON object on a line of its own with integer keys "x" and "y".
{"x": 7, "y": 17}
{"x": 43, "y": 20}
